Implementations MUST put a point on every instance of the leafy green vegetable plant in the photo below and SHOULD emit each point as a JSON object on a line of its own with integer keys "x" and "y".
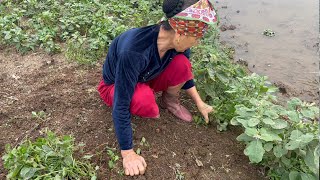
{"x": 113, "y": 158}
{"x": 283, "y": 139}
{"x": 88, "y": 27}
{"x": 286, "y": 140}
{"x": 50, "y": 157}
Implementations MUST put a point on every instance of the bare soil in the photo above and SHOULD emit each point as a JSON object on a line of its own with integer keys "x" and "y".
{"x": 67, "y": 93}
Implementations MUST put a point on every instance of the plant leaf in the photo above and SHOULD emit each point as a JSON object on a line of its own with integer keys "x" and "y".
{"x": 295, "y": 134}
{"x": 309, "y": 159}
{"x": 294, "y": 103}
{"x": 27, "y": 172}
{"x": 222, "y": 77}
{"x": 293, "y": 116}
{"x": 271, "y": 114}
{"x": 279, "y": 151}
{"x": 111, "y": 164}
{"x": 138, "y": 151}
{"x": 34, "y": 114}
{"x": 268, "y": 146}
{"x": 57, "y": 177}
{"x": 298, "y": 141}
{"x": 253, "y": 122}
{"x": 253, "y": 132}
{"x": 255, "y": 151}
{"x": 294, "y": 175}
{"x": 305, "y": 176}
{"x": 234, "y": 121}
{"x": 308, "y": 113}
{"x": 211, "y": 73}
{"x": 268, "y": 121}
{"x": 244, "y": 137}
{"x": 88, "y": 156}
{"x": 317, "y": 154}
{"x": 286, "y": 161}
{"x": 268, "y": 135}
{"x": 279, "y": 124}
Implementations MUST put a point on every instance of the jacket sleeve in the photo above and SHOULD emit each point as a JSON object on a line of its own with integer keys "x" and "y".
{"x": 128, "y": 68}
{"x": 189, "y": 84}
{"x": 187, "y": 53}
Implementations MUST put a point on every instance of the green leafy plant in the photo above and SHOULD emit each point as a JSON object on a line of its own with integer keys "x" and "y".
{"x": 284, "y": 140}
{"x": 199, "y": 120}
{"x": 144, "y": 142}
{"x": 39, "y": 115}
{"x": 88, "y": 27}
{"x": 269, "y": 32}
{"x": 223, "y": 83}
{"x": 179, "y": 175}
{"x": 113, "y": 158}
{"x": 50, "y": 157}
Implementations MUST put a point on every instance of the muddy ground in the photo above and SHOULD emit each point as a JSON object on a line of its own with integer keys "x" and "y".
{"x": 290, "y": 58}
{"x": 67, "y": 93}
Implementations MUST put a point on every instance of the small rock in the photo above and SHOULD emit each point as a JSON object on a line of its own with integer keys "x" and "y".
{"x": 227, "y": 170}
{"x": 155, "y": 156}
{"x": 223, "y": 28}
{"x": 49, "y": 62}
{"x": 199, "y": 163}
{"x": 224, "y": 7}
{"x": 242, "y": 62}
{"x": 158, "y": 130}
{"x": 174, "y": 154}
{"x": 162, "y": 152}
{"x": 202, "y": 152}
{"x": 238, "y": 11}
{"x": 212, "y": 168}
{"x": 15, "y": 77}
{"x": 283, "y": 90}
{"x": 232, "y": 27}
{"x": 282, "y": 87}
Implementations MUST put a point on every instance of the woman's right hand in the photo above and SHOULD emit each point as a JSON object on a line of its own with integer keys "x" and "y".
{"x": 133, "y": 164}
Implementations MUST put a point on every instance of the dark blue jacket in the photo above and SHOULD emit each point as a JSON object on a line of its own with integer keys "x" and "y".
{"x": 133, "y": 57}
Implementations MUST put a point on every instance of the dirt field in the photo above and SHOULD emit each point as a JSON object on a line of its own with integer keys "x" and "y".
{"x": 67, "y": 93}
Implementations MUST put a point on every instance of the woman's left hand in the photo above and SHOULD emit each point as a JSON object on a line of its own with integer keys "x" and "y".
{"x": 205, "y": 109}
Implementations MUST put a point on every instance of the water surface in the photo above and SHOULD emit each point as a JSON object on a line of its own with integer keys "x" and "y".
{"x": 290, "y": 57}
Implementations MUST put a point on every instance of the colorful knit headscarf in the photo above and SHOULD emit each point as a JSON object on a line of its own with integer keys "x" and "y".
{"x": 194, "y": 20}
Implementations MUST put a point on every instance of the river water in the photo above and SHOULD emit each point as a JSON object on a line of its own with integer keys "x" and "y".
{"x": 291, "y": 57}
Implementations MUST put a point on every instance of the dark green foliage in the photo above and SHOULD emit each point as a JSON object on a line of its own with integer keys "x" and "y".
{"x": 46, "y": 158}
{"x": 87, "y": 26}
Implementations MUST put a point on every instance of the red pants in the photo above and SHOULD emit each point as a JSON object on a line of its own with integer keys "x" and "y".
{"x": 143, "y": 102}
